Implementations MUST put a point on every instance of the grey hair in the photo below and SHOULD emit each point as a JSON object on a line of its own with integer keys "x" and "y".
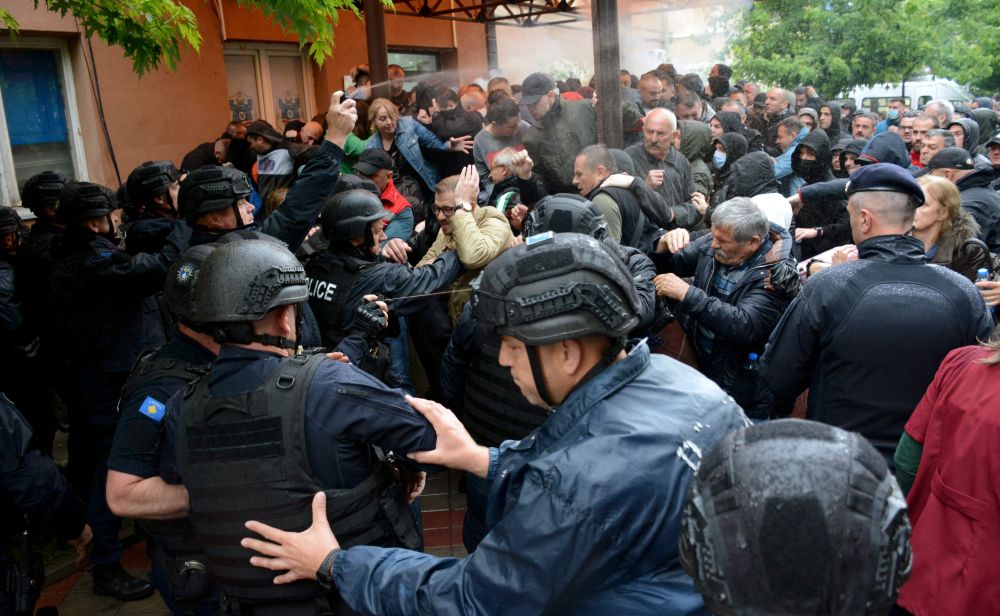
{"x": 742, "y": 217}
{"x": 947, "y": 135}
{"x": 790, "y": 97}
{"x": 505, "y": 158}
{"x": 666, "y": 113}
{"x": 890, "y": 208}
{"x": 939, "y": 106}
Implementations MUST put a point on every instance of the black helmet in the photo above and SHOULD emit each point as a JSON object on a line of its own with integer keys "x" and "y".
{"x": 349, "y": 181}
{"x": 241, "y": 281}
{"x": 346, "y": 215}
{"x": 795, "y": 517}
{"x": 211, "y": 188}
{"x": 178, "y": 289}
{"x": 10, "y": 221}
{"x": 82, "y": 200}
{"x": 566, "y": 213}
{"x": 42, "y": 191}
{"x": 557, "y": 287}
{"x": 150, "y": 179}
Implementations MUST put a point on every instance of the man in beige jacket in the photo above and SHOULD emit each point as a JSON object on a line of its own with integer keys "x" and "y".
{"x": 478, "y": 234}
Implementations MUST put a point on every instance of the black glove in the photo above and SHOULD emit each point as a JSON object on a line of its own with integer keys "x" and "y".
{"x": 369, "y": 320}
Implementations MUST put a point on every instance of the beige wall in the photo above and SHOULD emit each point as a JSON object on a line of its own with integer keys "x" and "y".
{"x": 165, "y": 114}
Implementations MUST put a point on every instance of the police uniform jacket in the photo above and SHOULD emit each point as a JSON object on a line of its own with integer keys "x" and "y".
{"x": 584, "y": 513}
{"x": 866, "y": 337}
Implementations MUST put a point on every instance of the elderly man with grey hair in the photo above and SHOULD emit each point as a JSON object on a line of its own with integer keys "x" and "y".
{"x": 943, "y": 110}
{"x": 512, "y": 180}
{"x": 744, "y": 280}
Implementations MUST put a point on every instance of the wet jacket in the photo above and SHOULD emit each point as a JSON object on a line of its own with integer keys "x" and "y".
{"x": 866, "y": 337}
{"x": 554, "y": 141}
{"x": 575, "y": 526}
{"x": 827, "y": 212}
{"x": 696, "y": 146}
{"x": 743, "y": 322}
{"x": 980, "y": 200}
{"x": 104, "y": 298}
{"x": 413, "y": 138}
{"x": 678, "y": 183}
{"x": 886, "y": 148}
{"x": 31, "y": 483}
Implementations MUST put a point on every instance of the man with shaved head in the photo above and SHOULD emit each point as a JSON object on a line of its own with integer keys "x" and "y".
{"x": 663, "y": 168}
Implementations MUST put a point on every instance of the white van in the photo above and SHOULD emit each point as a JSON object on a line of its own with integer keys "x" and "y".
{"x": 916, "y": 93}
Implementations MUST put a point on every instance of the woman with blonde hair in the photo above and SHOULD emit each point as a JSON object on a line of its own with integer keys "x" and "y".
{"x": 943, "y": 226}
{"x": 406, "y": 140}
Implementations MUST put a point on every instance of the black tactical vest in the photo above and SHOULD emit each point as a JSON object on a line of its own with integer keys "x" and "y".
{"x": 172, "y": 535}
{"x": 331, "y": 277}
{"x": 495, "y": 409}
{"x": 243, "y": 457}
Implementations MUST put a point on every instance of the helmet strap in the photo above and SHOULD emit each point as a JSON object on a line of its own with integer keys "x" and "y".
{"x": 536, "y": 373}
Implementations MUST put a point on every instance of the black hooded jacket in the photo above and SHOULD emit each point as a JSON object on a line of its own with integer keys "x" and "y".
{"x": 752, "y": 175}
{"x": 980, "y": 200}
{"x": 730, "y": 121}
{"x": 833, "y": 132}
{"x": 971, "y": 129}
{"x": 886, "y": 148}
{"x": 829, "y": 215}
{"x": 812, "y": 171}
{"x": 736, "y": 148}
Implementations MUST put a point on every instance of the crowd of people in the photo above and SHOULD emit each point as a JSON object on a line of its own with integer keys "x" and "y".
{"x": 238, "y": 343}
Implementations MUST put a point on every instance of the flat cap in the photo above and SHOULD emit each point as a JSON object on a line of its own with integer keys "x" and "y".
{"x": 885, "y": 177}
{"x": 952, "y": 158}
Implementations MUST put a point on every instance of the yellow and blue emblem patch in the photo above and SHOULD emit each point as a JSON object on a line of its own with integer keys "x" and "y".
{"x": 153, "y": 408}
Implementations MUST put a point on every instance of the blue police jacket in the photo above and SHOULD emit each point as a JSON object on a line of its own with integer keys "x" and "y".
{"x": 584, "y": 512}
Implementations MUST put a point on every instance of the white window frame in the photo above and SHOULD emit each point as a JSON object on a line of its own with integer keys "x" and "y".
{"x": 8, "y": 181}
{"x": 261, "y": 52}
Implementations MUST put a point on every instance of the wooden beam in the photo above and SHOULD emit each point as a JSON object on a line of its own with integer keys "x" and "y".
{"x": 607, "y": 64}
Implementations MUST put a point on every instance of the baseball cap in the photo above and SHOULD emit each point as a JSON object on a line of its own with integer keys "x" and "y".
{"x": 952, "y": 158}
{"x": 372, "y": 160}
{"x": 535, "y": 86}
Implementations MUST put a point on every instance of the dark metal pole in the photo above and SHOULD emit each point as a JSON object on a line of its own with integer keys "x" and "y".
{"x": 378, "y": 52}
{"x": 606, "y": 65}
{"x": 492, "y": 59}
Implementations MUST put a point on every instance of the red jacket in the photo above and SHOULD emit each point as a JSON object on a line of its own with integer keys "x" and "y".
{"x": 915, "y": 159}
{"x": 955, "y": 500}
{"x": 393, "y": 200}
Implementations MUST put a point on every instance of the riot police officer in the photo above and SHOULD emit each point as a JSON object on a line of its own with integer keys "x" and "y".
{"x": 107, "y": 314}
{"x": 134, "y": 487}
{"x": 213, "y": 199}
{"x": 492, "y": 407}
{"x": 151, "y": 189}
{"x": 796, "y": 517}
{"x": 268, "y": 427}
{"x": 33, "y": 491}
{"x": 351, "y": 267}
{"x": 584, "y": 512}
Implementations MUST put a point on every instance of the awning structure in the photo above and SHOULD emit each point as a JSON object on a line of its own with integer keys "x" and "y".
{"x": 524, "y": 13}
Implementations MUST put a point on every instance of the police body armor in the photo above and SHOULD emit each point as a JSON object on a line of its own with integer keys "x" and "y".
{"x": 331, "y": 277}
{"x": 173, "y": 541}
{"x": 243, "y": 457}
{"x": 495, "y": 408}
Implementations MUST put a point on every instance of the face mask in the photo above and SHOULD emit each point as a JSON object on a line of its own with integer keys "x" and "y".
{"x": 719, "y": 159}
{"x": 892, "y": 114}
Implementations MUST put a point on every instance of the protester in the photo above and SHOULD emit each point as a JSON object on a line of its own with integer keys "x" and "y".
{"x": 943, "y": 226}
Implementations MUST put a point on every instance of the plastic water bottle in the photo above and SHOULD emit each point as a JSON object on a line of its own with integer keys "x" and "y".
{"x": 983, "y": 274}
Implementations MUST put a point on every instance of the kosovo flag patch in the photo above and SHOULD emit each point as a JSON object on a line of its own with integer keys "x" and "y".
{"x": 153, "y": 408}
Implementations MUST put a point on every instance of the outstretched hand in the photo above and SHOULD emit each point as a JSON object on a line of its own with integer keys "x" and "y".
{"x": 454, "y": 447}
{"x": 299, "y": 555}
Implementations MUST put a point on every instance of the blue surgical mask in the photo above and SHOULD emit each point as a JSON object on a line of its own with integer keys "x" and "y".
{"x": 719, "y": 159}
{"x": 892, "y": 114}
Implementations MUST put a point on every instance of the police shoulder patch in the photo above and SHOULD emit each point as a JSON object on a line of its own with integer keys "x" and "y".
{"x": 153, "y": 408}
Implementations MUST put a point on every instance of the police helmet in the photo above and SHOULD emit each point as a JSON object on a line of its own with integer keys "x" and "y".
{"x": 211, "y": 188}
{"x": 346, "y": 215}
{"x": 82, "y": 200}
{"x": 349, "y": 181}
{"x": 42, "y": 191}
{"x": 795, "y": 517}
{"x": 566, "y": 213}
{"x": 178, "y": 289}
{"x": 150, "y": 179}
{"x": 241, "y": 281}
{"x": 10, "y": 221}
{"x": 557, "y": 287}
